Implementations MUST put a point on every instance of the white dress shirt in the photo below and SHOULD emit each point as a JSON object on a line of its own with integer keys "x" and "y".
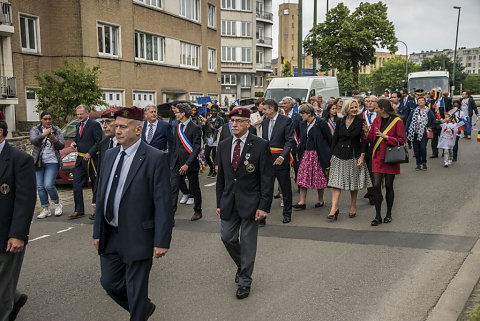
{"x": 242, "y": 144}
{"x": 1, "y": 146}
{"x": 271, "y": 124}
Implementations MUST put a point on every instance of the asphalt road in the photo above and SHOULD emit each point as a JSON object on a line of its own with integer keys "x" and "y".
{"x": 309, "y": 269}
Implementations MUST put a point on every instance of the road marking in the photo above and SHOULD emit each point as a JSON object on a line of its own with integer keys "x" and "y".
{"x": 38, "y": 238}
{"x": 211, "y": 184}
{"x": 68, "y": 229}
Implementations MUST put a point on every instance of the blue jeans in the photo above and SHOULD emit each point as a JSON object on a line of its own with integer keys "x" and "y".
{"x": 420, "y": 149}
{"x": 468, "y": 132}
{"x": 46, "y": 183}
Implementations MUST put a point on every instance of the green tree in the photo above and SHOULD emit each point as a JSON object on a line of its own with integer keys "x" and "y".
{"x": 472, "y": 83}
{"x": 392, "y": 74}
{"x": 345, "y": 83}
{"x": 63, "y": 89}
{"x": 287, "y": 70}
{"x": 348, "y": 40}
{"x": 443, "y": 62}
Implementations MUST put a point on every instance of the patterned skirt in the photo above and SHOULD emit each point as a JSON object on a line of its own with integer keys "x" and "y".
{"x": 310, "y": 173}
{"x": 346, "y": 175}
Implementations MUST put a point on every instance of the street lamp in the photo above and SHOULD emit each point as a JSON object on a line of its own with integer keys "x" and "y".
{"x": 455, "y": 52}
{"x": 406, "y": 60}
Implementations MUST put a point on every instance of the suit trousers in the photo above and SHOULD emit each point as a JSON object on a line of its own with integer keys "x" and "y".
{"x": 10, "y": 266}
{"x": 436, "y": 134}
{"x": 126, "y": 282}
{"x": 244, "y": 249}
{"x": 194, "y": 188}
{"x": 81, "y": 174}
{"x": 283, "y": 177}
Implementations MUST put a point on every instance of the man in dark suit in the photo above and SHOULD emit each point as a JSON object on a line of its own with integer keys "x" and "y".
{"x": 244, "y": 194}
{"x": 156, "y": 132}
{"x": 183, "y": 158}
{"x": 87, "y": 137}
{"x": 287, "y": 104}
{"x": 133, "y": 219}
{"x": 278, "y": 130}
{"x": 110, "y": 141}
{"x": 17, "y": 203}
{"x": 403, "y": 108}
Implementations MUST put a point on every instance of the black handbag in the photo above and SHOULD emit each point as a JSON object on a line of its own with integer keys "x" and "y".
{"x": 396, "y": 155}
{"x": 39, "y": 161}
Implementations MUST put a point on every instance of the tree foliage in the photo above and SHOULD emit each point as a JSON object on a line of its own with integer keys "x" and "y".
{"x": 472, "y": 83}
{"x": 347, "y": 40}
{"x": 443, "y": 62}
{"x": 392, "y": 74}
{"x": 345, "y": 83}
{"x": 63, "y": 89}
{"x": 287, "y": 70}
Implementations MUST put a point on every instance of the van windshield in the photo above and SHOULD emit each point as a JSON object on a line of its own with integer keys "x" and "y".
{"x": 278, "y": 93}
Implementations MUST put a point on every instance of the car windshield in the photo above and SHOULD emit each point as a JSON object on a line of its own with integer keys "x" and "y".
{"x": 69, "y": 130}
{"x": 248, "y": 101}
{"x": 428, "y": 83}
{"x": 278, "y": 93}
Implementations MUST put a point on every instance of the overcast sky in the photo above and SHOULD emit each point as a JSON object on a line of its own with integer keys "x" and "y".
{"x": 421, "y": 24}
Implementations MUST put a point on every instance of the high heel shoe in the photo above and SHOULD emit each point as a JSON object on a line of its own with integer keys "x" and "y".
{"x": 333, "y": 217}
{"x": 352, "y": 215}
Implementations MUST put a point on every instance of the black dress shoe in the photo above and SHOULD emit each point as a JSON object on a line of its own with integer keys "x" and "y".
{"x": 237, "y": 278}
{"x": 367, "y": 195}
{"x": 376, "y": 222}
{"x": 196, "y": 216}
{"x": 434, "y": 156}
{"x": 387, "y": 219}
{"x": 319, "y": 204}
{"x": 91, "y": 217}
{"x": 17, "y": 306}
{"x": 243, "y": 292}
{"x": 150, "y": 310}
{"x": 262, "y": 222}
{"x": 286, "y": 220}
{"x": 277, "y": 195}
{"x": 299, "y": 206}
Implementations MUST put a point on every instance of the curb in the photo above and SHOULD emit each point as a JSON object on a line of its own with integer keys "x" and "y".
{"x": 453, "y": 300}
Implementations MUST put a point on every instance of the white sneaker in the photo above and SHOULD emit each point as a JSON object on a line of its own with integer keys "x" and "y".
{"x": 184, "y": 199}
{"x": 58, "y": 209}
{"x": 190, "y": 201}
{"x": 450, "y": 162}
{"x": 445, "y": 165}
{"x": 281, "y": 203}
{"x": 44, "y": 213}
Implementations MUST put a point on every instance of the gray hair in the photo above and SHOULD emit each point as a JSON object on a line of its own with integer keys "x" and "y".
{"x": 291, "y": 101}
{"x": 375, "y": 97}
{"x": 185, "y": 108}
{"x": 82, "y": 106}
{"x": 147, "y": 108}
{"x": 307, "y": 108}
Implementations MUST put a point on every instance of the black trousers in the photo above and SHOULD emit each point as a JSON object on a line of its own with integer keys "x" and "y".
{"x": 420, "y": 149}
{"x": 369, "y": 160}
{"x": 210, "y": 153}
{"x": 10, "y": 266}
{"x": 284, "y": 181}
{"x": 126, "y": 282}
{"x": 436, "y": 134}
{"x": 455, "y": 148}
{"x": 81, "y": 173}
{"x": 195, "y": 192}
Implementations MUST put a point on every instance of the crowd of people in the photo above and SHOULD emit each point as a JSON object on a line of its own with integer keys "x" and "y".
{"x": 139, "y": 164}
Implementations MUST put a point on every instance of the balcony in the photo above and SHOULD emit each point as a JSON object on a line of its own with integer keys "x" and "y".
{"x": 266, "y": 16}
{"x": 265, "y": 41}
{"x": 6, "y": 26}
{"x": 264, "y": 67}
{"x": 8, "y": 87}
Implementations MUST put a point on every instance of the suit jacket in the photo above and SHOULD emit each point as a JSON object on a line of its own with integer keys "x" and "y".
{"x": 472, "y": 107}
{"x": 347, "y": 143}
{"x": 244, "y": 190}
{"x": 92, "y": 134}
{"x": 17, "y": 179}
{"x": 145, "y": 212}
{"x": 179, "y": 155}
{"x": 162, "y": 137}
{"x": 102, "y": 148}
{"x": 296, "y": 121}
{"x": 404, "y": 109}
{"x": 322, "y": 137}
{"x": 282, "y": 137}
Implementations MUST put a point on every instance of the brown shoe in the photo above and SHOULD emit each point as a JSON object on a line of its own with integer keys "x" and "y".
{"x": 196, "y": 216}
{"x": 76, "y": 215}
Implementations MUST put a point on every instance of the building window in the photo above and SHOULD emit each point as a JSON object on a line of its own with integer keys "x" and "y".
{"x": 108, "y": 39}
{"x": 245, "y": 81}
{"x": 228, "y": 54}
{"x": 113, "y": 98}
{"x": 189, "y": 55}
{"x": 293, "y": 25}
{"x": 189, "y": 9}
{"x": 259, "y": 7}
{"x": 28, "y": 33}
{"x": 229, "y": 28}
{"x": 247, "y": 5}
{"x": 259, "y": 33}
{"x": 228, "y": 4}
{"x": 246, "y": 29}
{"x": 151, "y": 3}
{"x": 143, "y": 98}
{"x": 259, "y": 58}
{"x": 258, "y": 81}
{"x": 194, "y": 96}
{"x": 247, "y": 54}
{"x": 212, "y": 59}
{"x": 229, "y": 79}
{"x": 149, "y": 47}
{"x": 212, "y": 15}
{"x": 213, "y": 97}
{"x": 293, "y": 36}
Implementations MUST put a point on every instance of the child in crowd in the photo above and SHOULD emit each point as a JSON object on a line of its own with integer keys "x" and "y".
{"x": 447, "y": 138}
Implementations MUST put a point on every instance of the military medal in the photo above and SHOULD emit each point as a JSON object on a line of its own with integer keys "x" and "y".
{"x": 4, "y": 189}
{"x": 247, "y": 156}
{"x": 245, "y": 162}
{"x": 250, "y": 168}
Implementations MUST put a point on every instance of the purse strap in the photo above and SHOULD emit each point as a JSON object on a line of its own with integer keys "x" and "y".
{"x": 379, "y": 140}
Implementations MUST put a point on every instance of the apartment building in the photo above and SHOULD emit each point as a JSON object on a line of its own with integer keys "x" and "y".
{"x": 149, "y": 51}
{"x": 468, "y": 57}
{"x": 246, "y": 28}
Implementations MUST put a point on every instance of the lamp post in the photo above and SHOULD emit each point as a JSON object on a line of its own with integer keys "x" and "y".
{"x": 455, "y": 52}
{"x": 314, "y": 71}
{"x": 300, "y": 42}
{"x": 406, "y": 60}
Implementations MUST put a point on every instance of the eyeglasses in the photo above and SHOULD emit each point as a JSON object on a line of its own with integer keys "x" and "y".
{"x": 46, "y": 119}
{"x": 239, "y": 121}
{"x": 106, "y": 121}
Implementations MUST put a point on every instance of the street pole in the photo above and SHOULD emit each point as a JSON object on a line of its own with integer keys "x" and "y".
{"x": 300, "y": 40}
{"x": 406, "y": 60}
{"x": 327, "y": 6}
{"x": 455, "y": 52}
{"x": 314, "y": 71}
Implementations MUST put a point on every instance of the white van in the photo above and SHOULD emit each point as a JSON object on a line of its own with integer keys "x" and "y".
{"x": 302, "y": 87}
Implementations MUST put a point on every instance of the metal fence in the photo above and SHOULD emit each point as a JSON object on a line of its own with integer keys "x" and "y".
{"x": 265, "y": 15}
{"x": 6, "y": 13}
{"x": 8, "y": 86}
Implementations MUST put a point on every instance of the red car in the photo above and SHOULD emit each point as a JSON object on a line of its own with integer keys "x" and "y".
{"x": 69, "y": 154}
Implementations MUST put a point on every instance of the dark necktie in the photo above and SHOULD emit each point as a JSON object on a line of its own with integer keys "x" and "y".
{"x": 110, "y": 145}
{"x": 150, "y": 133}
{"x": 113, "y": 189}
{"x": 182, "y": 126}
{"x": 236, "y": 155}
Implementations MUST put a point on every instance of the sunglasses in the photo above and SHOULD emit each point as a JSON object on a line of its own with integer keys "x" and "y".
{"x": 46, "y": 119}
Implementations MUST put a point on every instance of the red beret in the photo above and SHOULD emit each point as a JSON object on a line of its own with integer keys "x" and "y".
{"x": 109, "y": 113}
{"x": 240, "y": 112}
{"x": 130, "y": 112}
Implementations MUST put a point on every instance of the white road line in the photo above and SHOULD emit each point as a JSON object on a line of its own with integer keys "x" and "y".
{"x": 38, "y": 238}
{"x": 68, "y": 229}
{"x": 211, "y": 184}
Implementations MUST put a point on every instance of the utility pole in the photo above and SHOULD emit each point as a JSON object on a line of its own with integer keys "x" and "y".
{"x": 300, "y": 40}
{"x": 314, "y": 72}
{"x": 455, "y": 52}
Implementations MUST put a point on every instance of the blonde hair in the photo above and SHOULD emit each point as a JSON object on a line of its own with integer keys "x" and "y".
{"x": 347, "y": 105}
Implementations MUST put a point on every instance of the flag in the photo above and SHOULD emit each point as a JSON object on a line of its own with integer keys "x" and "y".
{"x": 284, "y": 61}
{"x": 478, "y": 137}
{"x": 295, "y": 107}
{"x": 202, "y": 110}
{"x": 238, "y": 102}
{"x": 216, "y": 102}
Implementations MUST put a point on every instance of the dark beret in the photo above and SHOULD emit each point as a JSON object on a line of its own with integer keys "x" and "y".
{"x": 130, "y": 112}
{"x": 240, "y": 112}
{"x": 109, "y": 113}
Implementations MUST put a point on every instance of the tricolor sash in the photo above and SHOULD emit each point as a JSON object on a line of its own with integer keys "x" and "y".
{"x": 295, "y": 136}
{"x": 331, "y": 124}
{"x": 379, "y": 140}
{"x": 185, "y": 142}
{"x": 367, "y": 118}
{"x": 275, "y": 150}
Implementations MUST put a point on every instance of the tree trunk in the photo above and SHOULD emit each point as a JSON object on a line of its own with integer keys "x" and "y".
{"x": 355, "y": 71}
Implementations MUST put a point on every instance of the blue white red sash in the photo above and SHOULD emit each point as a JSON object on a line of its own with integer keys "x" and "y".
{"x": 230, "y": 128}
{"x": 367, "y": 118}
{"x": 295, "y": 136}
{"x": 331, "y": 124}
{"x": 185, "y": 142}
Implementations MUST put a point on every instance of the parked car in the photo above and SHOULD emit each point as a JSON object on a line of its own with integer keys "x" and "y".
{"x": 247, "y": 102}
{"x": 68, "y": 153}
